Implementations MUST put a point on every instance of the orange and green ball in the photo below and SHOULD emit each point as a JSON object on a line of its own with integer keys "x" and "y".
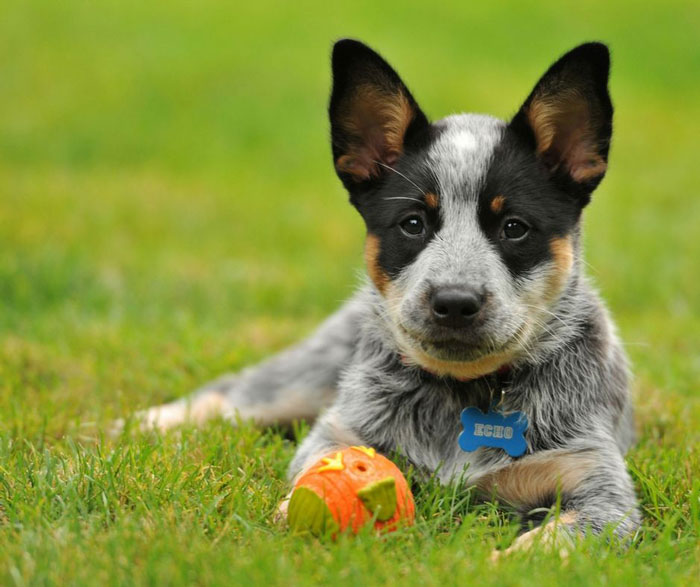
{"x": 349, "y": 489}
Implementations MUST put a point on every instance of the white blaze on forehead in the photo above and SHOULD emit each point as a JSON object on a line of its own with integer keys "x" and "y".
{"x": 464, "y": 141}
{"x": 461, "y": 155}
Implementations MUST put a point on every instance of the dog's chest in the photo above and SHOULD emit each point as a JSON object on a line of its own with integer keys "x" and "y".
{"x": 424, "y": 425}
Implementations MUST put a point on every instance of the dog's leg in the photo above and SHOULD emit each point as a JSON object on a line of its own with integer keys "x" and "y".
{"x": 605, "y": 497}
{"x": 595, "y": 491}
{"x": 294, "y": 384}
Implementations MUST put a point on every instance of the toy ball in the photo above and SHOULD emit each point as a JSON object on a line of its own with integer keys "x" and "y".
{"x": 349, "y": 489}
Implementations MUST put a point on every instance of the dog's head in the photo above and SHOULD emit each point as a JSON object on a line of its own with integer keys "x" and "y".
{"x": 472, "y": 222}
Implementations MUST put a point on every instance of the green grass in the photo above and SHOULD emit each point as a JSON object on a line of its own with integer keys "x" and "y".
{"x": 168, "y": 211}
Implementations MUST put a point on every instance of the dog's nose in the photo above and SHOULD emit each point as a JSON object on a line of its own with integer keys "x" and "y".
{"x": 455, "y": 307}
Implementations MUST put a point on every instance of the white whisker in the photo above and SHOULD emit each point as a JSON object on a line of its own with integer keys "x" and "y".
{"x": 403, "y": 198}
{"x": 390, "y": 168}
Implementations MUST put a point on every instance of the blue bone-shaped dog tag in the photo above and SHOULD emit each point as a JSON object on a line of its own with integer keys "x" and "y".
{"x": 493, "y": 429}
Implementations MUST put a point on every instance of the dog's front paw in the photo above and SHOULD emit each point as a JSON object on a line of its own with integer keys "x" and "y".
{"x": 159, "y": 418}
{"x": 280, "y": 516}
{"x": 553, "y": 537}
{"x": 195, "y": 410}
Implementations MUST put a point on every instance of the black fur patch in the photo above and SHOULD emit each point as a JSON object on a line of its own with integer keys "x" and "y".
{"x": 390, "y": 203}
{"x": 530, "y": 196}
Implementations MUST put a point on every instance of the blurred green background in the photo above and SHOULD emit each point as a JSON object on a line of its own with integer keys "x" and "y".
{"x": 168, "y": 208}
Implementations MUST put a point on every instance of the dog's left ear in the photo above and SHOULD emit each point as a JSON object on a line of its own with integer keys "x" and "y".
{"x": 567, "y": 119}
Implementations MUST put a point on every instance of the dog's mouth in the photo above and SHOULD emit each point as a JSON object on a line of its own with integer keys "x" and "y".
{"x": 465, "y": 350}
{"x": 447, "y": 348}
{"x": 454, "y": 358}
{"x": 451, "y": 350}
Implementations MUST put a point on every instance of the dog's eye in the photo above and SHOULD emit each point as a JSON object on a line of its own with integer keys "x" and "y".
{"x": 514, "y": 229}
{"x": 413, "y": 226}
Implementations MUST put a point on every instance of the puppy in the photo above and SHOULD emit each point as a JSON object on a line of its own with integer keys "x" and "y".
{"x": 476, "y": 298}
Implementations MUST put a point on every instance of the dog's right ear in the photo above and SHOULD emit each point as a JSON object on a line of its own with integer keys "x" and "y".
{"x": 374, "y": 118}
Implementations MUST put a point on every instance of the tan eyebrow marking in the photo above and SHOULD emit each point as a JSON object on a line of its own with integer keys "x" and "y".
{"x": 432, "y": 200}
{"x": 497, "y": 204}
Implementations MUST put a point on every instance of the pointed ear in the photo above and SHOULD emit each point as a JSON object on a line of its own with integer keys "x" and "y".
{"x": 374, "y": 118}
{"x": 567, "y": 118}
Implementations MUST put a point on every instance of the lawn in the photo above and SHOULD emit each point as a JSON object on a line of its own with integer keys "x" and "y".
{"x": 168, "y": 212}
